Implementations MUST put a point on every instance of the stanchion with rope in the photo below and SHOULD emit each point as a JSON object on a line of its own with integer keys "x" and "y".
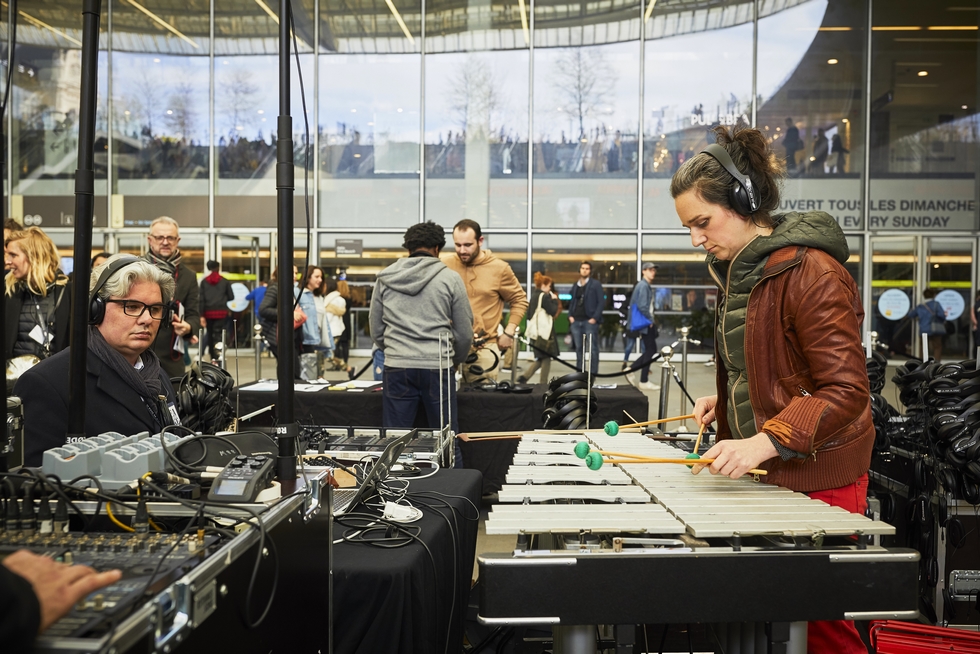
{"x": 604, "y": 375}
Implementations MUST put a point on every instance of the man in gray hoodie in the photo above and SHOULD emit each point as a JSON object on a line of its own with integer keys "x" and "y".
{"x": 418, "y": 304}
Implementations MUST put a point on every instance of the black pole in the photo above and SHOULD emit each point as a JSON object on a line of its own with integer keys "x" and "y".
{"x": 6, "y": 444}
{"x": 84, "y": 209}
{"x": 285, "y": 184}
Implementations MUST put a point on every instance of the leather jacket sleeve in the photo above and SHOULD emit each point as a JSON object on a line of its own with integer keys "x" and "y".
{"x": 820, "y": 390}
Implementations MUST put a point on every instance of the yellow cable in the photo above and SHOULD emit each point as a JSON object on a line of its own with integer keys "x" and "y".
{"x": 108, "y": 510}
{"x": 138, "y": 486}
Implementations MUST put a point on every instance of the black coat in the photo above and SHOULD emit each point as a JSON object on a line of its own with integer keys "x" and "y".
{"x": 215, "y": 297}
{"x": 20, "y": 613}
{"x": 187, "y": 294}
{"x": 62, "y": 320}
{"x": 111, "y": 404}
{"x": 269, "y": 314}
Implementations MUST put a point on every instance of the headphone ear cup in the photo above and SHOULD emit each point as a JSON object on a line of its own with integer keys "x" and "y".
{"x": 168, "y": 314}
{"x": 96, "y": 311}
{"x": 970, "y": 490}
{"x": 739, "y": 199}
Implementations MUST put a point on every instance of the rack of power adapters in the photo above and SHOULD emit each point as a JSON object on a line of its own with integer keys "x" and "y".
{"x": 352, "y": 444}
{"x": 185, "y": 588}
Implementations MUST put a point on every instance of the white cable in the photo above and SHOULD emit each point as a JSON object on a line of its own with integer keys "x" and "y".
{"x": 401, "y": 514}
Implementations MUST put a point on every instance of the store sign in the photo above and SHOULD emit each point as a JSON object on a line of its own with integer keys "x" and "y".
{"x": 349, "y": 247}
{"x": 903, "y": 205}
{"x": 896, "y": 204}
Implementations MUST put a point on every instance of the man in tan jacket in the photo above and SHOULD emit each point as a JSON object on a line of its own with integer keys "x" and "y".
{"x": 490, "y": 283}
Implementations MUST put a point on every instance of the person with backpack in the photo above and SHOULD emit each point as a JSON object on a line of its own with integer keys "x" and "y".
{"x": 932, "y": 321}
{"x": 642, "y": 299}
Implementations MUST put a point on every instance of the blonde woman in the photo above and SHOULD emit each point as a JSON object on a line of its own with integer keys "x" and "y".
{"x": 38, "y": 296}
{"x": 342, "y": 349}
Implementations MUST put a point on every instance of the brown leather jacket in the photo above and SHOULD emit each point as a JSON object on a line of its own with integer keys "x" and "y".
{"x": 808, "y": 381}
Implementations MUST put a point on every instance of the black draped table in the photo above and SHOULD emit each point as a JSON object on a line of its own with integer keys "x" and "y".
{"x": 478, "y": 411}
{"x": 392, "y": 600}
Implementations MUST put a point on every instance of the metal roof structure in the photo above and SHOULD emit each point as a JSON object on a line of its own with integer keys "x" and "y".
{"x": 249, "y": 27}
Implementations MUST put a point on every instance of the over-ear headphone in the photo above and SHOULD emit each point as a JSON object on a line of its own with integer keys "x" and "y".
{"x": 565, "y": 402}
{"x": 742, "y": 194}
{"x": 478, "y": 371}
{"x": 203, "y": 398}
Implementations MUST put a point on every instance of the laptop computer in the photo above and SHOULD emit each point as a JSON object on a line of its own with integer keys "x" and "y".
{"x": 346, "y": 499}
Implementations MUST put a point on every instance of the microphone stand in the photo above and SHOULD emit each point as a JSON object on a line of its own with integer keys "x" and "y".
{"x": 6, "y": 443}
{"x": 84, "y": 209}
{"x": 287, "y": 431}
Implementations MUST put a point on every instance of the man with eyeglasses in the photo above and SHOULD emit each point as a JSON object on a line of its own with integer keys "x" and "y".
{"x": 126, "y": 389}
{"x": 164, "y": 253}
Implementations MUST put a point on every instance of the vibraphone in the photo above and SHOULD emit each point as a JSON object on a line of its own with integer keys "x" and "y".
{"x": 638, "y": 543}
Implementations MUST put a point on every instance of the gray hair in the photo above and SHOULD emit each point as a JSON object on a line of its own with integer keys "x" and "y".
{"x": 165, "y": 219}
{"x": 121, "y": 283}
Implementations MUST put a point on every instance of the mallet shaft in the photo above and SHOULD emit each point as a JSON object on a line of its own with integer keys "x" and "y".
{"x": 657, "y": 422}
{"x": 687, "y": 462}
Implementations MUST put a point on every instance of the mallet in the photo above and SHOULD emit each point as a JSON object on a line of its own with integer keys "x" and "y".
{"x": 697, "y": 443}
{"x": 595, "y": 459}
{"x": 612, "y": 427}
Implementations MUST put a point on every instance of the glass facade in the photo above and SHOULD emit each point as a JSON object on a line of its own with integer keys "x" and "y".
{"x": 555, "y": 126}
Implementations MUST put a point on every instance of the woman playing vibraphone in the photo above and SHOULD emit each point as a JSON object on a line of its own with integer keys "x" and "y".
{"x": 793, "y": 395}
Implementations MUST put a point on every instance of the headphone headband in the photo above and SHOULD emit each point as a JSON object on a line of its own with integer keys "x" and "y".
{"x": 745, "y": 202}
{"x": 96, "y": 303}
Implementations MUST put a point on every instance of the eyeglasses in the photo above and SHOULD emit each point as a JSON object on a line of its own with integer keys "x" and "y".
{"x": 165, "y": 239}
{"x": 135, "y": 308}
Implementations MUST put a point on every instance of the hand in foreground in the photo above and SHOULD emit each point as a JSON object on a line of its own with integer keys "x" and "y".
{"x": 58, "y": 586}
{"x": 504, "y": 341}
{"x": 733, "y": 458}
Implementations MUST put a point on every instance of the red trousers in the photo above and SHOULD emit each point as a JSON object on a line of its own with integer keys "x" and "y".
{"x": 839, "y": 636}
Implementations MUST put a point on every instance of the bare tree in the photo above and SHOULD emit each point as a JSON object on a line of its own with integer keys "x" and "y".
{"x": 238, "y": 98}
{"x": 180, "y": 114}
{"x": 582, "y": 80}
{"x": 475, "y": 98}
{"x": 146, "y": 101}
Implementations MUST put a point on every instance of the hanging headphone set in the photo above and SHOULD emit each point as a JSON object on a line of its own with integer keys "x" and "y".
{"x": 566, "y": 400}
{"x": 943, "y": 424}
{"x": 941, "y": 430}
{"x": 97, "y": 303}
{"x": 479, "y": 371}
{"x": 203, "y": 398}
{"x": 483, "y": 381}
